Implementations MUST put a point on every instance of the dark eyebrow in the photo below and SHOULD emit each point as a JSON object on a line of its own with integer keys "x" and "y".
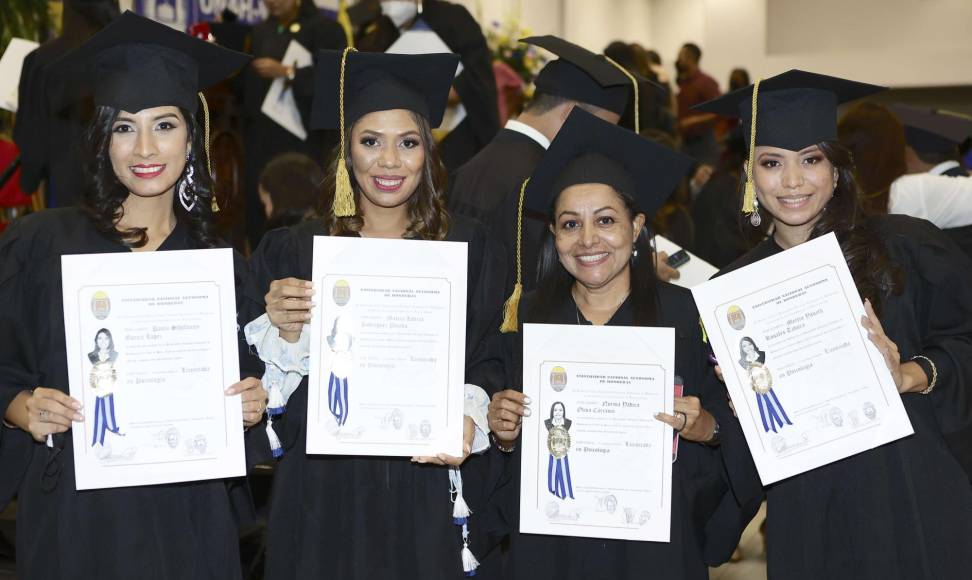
{"x": 127, "y": 119}
{"x": 565, "y": 212}
{"x": 810, "y": 149}
{"x": 600, "y": 209}
{"x": 409, "y": 133}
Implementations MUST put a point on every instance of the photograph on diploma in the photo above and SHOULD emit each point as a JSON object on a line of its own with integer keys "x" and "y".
{"x": 808, "y": 385}
{"x": 596, "y": 461}
{"x": 149, "y": 360}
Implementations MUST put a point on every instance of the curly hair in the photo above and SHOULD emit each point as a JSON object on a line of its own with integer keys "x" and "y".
{"x": 428, "y": 218}
{"x": 104, "y": 194}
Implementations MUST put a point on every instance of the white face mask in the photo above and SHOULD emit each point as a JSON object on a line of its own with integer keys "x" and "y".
{"x": 399, "y": 11}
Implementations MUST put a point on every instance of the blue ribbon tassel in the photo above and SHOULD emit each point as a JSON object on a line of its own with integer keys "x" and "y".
{"x": 337, "y": 398}
{"x": 773, "y": 409}
{"x": 558, "y": 477}
{"x": 104, "y": 410}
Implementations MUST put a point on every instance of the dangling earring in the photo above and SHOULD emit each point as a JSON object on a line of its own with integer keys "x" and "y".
{"x": 187, "y": 190}
{"x": 754, "y": 218}
{"x": 634, "y": 251}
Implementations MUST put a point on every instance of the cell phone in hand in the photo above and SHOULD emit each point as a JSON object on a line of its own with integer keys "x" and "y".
{"x": 678, "y": 259}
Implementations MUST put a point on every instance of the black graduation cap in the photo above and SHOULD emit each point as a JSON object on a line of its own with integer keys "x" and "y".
{"x": 590, "y": 150}
{"x": 135, "y": 63}
{"x": 932, "y": 130}
{"x": 349, "y": 84}
{"x": 380, "y": 81}
{"x": 792, "y": 110}
{"x": 581, "y": 75}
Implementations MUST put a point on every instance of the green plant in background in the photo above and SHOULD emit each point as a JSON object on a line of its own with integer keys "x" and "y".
{"x": 30, "y": 19}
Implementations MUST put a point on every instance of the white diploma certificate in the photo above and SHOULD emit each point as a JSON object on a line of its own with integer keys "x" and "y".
{"x": 279, "y": 104}
{"x": 151, "y": 346}
{"x": 595, "y": 461}
{"x": 808, "y": 385}
{"x": 387, "y": 355}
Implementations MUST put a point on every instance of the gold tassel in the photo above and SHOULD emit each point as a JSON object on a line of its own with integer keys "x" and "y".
{"x": 345, "y": 21}
{"x": 209, "y": 166}
{"x": 634, "y": 85}
{"x": 749, "y": 194}
{"x": 512, "y": 306}
{"x": 343, "y": 194}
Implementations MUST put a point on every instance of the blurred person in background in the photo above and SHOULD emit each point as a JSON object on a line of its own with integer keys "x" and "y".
{"x": 695, "y": 87}
{"x": 290, "y": 189}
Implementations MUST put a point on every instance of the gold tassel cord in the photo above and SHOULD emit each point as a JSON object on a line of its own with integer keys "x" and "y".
{"x": 749, "y": 196}
{"x": 634, "y": 85}
{"x": 512, "y": 306}
{"x": 343, "y": 194}
{"x": 209, "y": 164}
{"x": 345, "y": 21}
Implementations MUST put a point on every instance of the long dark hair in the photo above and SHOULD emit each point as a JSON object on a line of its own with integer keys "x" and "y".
{"x": 428, "y": 219}
{"x": 104, "y": 194}
{"x": 875, "y": 275}
{"x": 554, "y": 282}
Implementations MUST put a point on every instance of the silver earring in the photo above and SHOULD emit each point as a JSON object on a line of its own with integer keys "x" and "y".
{"x": 754, "y": 218}
{"x": 634, "y": 251}
{"x": 187, "y": 190}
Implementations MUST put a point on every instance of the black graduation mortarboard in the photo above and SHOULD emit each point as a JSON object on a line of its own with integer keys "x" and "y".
{"x": 590, "y": 150}
{"x": 135, "y": 63}
{"x": 584, "y": 76}
{"x": 380, "y": 81}
{"x": 791, "y": 111}
{"x": 349, "y": 84}
{"x": 932, "y": 130}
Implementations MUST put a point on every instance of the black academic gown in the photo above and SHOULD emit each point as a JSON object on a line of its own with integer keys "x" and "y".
{"x": 373, "y": 517}
{"x": 487, "y": 188}
{"x": 180, "y": 531}
{"x": 49, "y": 137}
{"x": 902, "y": 511}
{"x": 265, "y": 139}
{"x": 475, "y": 85}
{"x": 707, "y": 521}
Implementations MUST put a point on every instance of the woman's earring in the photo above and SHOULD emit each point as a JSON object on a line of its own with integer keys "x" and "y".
{"x": 634, "y": 251}
{"x": 754, "y": 218}
{"x": 187, "y": 190}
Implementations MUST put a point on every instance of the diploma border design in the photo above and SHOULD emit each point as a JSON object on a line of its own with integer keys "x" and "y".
{"x": 749, "y": 402}
{"x": 220, "y": 372}
{"x": 541, "y": 475}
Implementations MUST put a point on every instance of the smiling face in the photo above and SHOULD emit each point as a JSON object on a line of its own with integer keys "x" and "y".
{"x": 793, "y": 186}
{"x": 748, "y": 347}
{"x": 102, "y": 341}
{"x": 388, "y": 157}
{"x": 148, "y": 150}
{"x": 594, "y": 235}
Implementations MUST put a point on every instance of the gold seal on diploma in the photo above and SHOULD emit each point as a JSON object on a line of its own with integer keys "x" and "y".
{"x": 341, "y": 293}
{"x": 760, "y": 378}
{"x": 558, "y": 441}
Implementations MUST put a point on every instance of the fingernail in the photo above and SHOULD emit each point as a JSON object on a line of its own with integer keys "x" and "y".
{"x": 77, "y": 406}
{"x": 526, "y": 400}
{"x": 309, "y": 284}
{"x": 526, "y": 412}
{"x": 78, "y": 417}
{"x": 228, "y": 390}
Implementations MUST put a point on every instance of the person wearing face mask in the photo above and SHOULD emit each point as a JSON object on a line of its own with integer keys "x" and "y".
{"x": 371, "y": 517}
{"x": 596, "y": 184}
{"x": 145, "y": 144}
{"x": 475, "y": 87}
{"x": 901, "y": 510}
{"x": 289, "y": 21}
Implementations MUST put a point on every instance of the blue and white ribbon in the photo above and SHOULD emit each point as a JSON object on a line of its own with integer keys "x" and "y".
{"x": 337, "y": 398}
{"x": 770, "y": 407}
{"x": 558, "y": 477}
{"x": 104, "y": 416}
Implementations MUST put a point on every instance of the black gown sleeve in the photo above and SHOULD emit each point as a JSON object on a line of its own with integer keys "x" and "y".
{"x": 485, "y": 284}
{"x": 31, "y": 129}
{"x": 945, "y": 316}
{"x": 17, "y": 359}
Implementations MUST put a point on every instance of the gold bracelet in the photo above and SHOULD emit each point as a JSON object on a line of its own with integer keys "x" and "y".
{"x": 934, "y": 377}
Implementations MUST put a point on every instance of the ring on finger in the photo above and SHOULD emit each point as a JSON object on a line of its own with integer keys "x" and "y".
{"x": 43, "y": 415}
{"x": 684, "y": 421}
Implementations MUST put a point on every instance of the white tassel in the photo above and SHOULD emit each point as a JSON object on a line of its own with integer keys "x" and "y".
{"x": 469, "y": 561}
{"x": 275, "y": 404}
{"x": 275, "y": 447}
{"x": 460, "y": 509}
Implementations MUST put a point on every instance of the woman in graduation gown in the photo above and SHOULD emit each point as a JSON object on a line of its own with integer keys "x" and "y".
{"x": 474, "y": 87}
{"x": 902, "y": 510}
{"x": 369, "y": 517}
{"x": 145, "y": 144}
{"x": 597, "y": 183}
